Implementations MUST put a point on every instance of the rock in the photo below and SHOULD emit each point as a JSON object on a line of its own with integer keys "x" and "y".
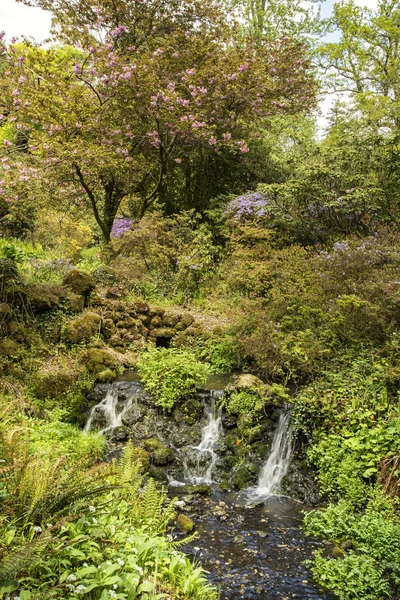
{"x": 249, "y": 383}
{"x": 228, "y": 421}
{"x": 338, "y": 552}
{"x": 97, "y": 393}
{"x": 180, "y": 504}
{"x": 184, "y": 523}
{"x": 98, "y": 360}
{"x": 80, "y": 283}
{"x": 118, "y": 434}
{"x": 42, "y": 297}
{"x": 158, "y": 474}
{"x": 190, "y": 412}
{"x": 201, "y": 488}
{"x": 163, "y": 456}
{"x": 135, "y": 414}
{"x": 163, "y": 332}
{"x": 82, "y": 329}
{"x": 140, "y": 307}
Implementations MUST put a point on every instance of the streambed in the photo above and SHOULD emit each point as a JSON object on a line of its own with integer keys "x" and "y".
{"x": 254, "y": 553}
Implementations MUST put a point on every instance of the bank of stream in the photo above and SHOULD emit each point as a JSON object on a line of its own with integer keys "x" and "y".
{"x": 251, "y": 542}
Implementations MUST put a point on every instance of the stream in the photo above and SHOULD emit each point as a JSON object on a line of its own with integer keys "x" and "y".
{"x": 251, "y": 542}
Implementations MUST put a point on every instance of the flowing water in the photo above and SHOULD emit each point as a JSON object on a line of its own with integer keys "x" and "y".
{"x": 111, "y": 410}
{"x": 199, "y": 461}
{"x": 276, "y": 466}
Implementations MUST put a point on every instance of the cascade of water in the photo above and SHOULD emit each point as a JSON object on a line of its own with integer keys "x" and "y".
{"x": 199, "y": 461}
{"x": 277, "y": 464}
{"x": 111, "y": 408}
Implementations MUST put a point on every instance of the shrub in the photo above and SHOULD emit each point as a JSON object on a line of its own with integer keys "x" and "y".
{"x": 171, "y": 374}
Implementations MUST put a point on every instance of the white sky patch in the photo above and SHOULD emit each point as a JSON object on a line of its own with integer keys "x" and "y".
{"x": 17, "y": 20}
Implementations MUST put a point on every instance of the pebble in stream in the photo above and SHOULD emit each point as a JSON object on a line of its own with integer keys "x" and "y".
{"x": 256, "y": 553}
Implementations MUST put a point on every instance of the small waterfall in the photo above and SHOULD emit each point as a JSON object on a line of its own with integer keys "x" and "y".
{"x": 111, "y": 409}
{"x": 199, "y": 461}
{"x": 277, "y": 464}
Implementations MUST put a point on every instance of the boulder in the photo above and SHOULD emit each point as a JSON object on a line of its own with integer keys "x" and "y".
{"x": 83, "y": 328}
{"x": 80, "y": 283}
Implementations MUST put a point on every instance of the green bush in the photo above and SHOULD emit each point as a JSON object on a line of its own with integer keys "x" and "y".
{"x": 171, "y": 374}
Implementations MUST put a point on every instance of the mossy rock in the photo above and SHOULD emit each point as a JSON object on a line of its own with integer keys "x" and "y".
{"x": 202, "y": 489}
{"x": 106, "y": 376}
{"x": 164, "y": 332}
{"x": 169, "y": 320}
{"x": 11, "y": 349}
{"x": 140, "y": 307}
{"x": 98, "y": 360}
{"x": 82, "y": 329}
{"x": 12, "y": 290}
{"x": 42, "y": 297}
{"x": 185, "y": 524}
{"x": 18, "y": 332}
{"x": 152, "y": 444}
{"x": 80, "y": 283}
{"x": 242, "y": 478}
{"x": 5, "y": 312}
{"x": 184, "y": 322}
{"x": 142, "y": 458}
{"x": 163, "y": 456}
{"x": 190, "y": 411}
{"x": 53, "y": 383}
{"x": 158, "y": 474}
{"x": 249, "y": 383}
{"x": 338, "y": 552}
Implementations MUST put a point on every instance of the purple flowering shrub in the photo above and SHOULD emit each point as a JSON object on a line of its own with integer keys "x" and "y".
{"x": 248, "y": 206}
{"x": 121, "y": 226}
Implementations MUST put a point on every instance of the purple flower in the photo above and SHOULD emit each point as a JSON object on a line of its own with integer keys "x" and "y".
{"x": 121, "y": 226}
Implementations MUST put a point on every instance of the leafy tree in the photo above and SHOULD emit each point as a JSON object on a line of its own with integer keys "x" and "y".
{"x": 110, "y": 123}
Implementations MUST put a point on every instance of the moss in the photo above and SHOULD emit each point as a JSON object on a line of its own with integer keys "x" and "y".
{"x": 152, "y": 444}
{"x": 18, "y": 331}
{"x": 98, "y": 360}
{"x": 54, "y": 383}
{"x": 184, "y": 523}
{"x": 242, "y": 478}
{"x": 5, "y": 311}
{"x": 202, "y": 489}
{"x": 143, "y": 458}
{"x": 80, "y": 283}
{"x": 82, "y": 329}
{"x": 163, "y": 456}
{"x": 106, "y": 376}
{"x": 158, "y": 474}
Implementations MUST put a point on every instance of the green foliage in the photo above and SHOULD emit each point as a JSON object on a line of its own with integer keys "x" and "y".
{"x": 243, "y": 403}
{"x": 54, "y": 438}
{"x": 352, "y": 578}
{"x": 171, "y": 375}
{"x": 371, "y": 569}
{"x": 106, "y": 538}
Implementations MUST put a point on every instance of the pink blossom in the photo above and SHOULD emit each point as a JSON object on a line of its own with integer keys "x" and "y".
{"x": 212, "y": 141}
{"x": 227, "y": 136}
{"x": 178, "y": 160}
{"x": 234, "y": 77}
{"x": 7, "y": 143}
{"x": 243, "y": 67}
